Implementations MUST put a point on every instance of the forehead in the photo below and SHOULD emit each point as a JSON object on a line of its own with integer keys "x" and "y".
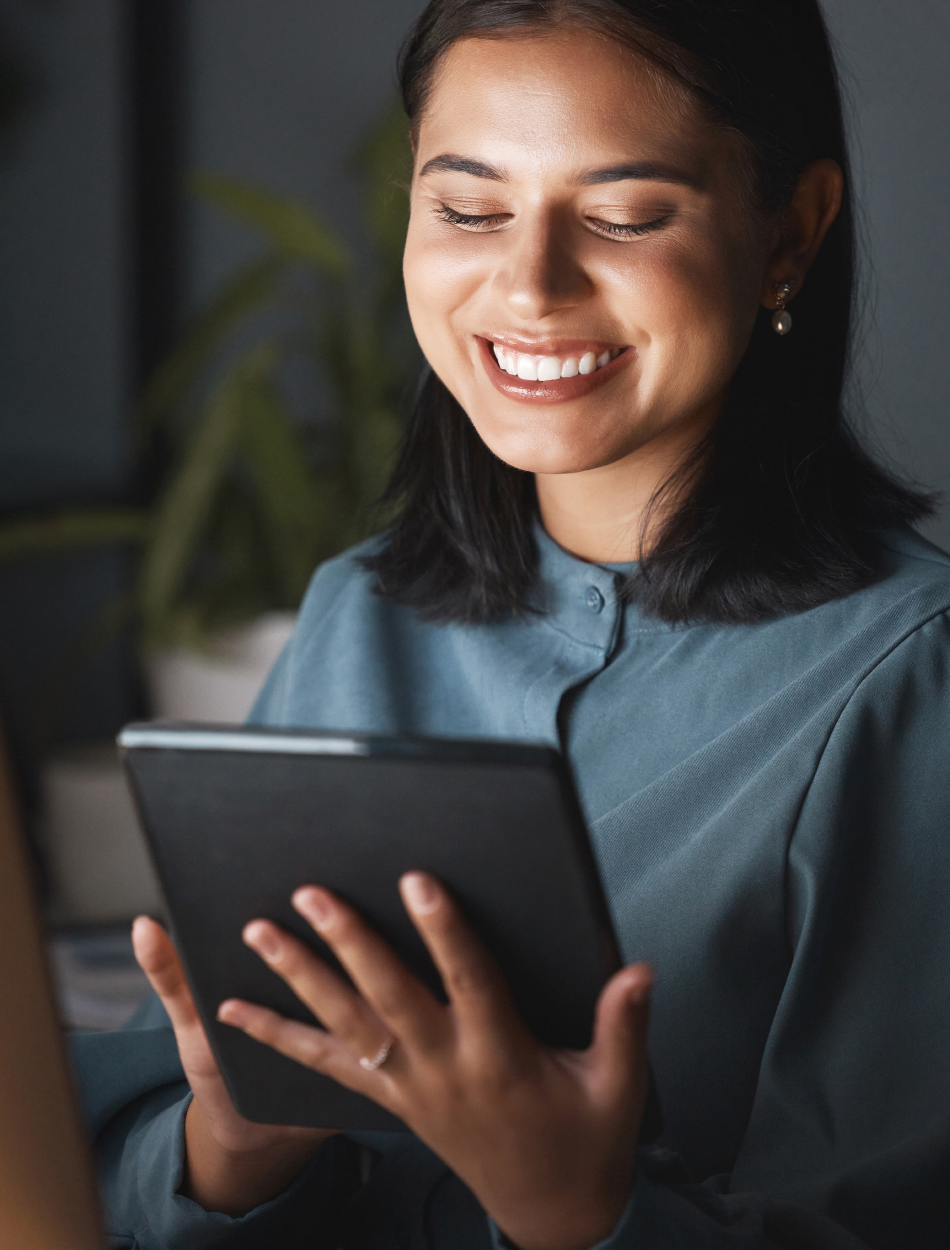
{"x": 565, "y": 97}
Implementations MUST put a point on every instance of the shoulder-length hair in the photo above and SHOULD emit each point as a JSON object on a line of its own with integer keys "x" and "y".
{"x": 777, "y": 511}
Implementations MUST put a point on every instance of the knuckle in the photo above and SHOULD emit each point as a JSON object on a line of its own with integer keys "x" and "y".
{"x": 315, "y": 1049}
{"x": 264, "y": 1026}
{"x": 349, "y": 1021}
{"x": 466, "y": 979}
{"x": 390, "y": 1002}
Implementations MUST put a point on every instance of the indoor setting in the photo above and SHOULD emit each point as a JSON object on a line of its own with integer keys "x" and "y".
{"x": 207, "y": 371}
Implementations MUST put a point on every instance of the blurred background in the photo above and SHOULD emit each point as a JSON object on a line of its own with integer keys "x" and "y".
{"x": 205, "y": 361}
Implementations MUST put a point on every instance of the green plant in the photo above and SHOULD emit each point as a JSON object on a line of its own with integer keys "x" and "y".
{"x": 260, "y": 487}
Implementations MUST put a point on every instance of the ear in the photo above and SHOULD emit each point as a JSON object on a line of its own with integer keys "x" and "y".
{"x": 802, "y": 227}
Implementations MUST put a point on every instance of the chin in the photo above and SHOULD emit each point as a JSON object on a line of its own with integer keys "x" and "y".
{"x": 534, "y": 454}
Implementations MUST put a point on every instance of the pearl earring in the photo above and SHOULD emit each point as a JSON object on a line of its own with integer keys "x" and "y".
{"x": 782, "y": 321}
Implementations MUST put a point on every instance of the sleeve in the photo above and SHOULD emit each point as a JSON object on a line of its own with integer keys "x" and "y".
{"x": 134, "y": 1099}
{"x": 848, "y": 1143}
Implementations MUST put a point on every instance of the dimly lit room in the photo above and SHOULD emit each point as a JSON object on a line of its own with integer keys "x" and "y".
{"x": 555, "y": 511}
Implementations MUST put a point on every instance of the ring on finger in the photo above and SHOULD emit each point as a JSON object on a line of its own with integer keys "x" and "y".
{"x": 370, "y": 1064}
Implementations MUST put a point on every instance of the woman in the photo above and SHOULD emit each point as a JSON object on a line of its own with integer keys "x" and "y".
{"x": 632, "y": 522}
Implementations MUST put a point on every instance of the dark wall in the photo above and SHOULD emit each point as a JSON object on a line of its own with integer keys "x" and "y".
{"x": 895, "y": 58}
{"x": 280, "y": 94}
{"x": 63, "y": 372}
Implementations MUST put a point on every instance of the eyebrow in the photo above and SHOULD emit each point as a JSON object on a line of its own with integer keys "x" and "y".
{"x": 448, "y": 163}
{"x": 641, "y": 171}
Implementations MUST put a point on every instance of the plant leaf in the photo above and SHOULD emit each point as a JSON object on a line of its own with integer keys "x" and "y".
{"x": 289, "y": 223}
{"x": 252, "y": 286}
{"x": 65, "y": 531}
{"x": 296, "y": 512}
{"x": 190, "y": 495}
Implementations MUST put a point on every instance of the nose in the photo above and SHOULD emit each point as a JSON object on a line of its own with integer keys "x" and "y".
{"x": 538, "y": 273}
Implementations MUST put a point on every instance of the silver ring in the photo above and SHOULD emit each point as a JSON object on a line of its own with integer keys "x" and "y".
{"x": 377, "y": 1061}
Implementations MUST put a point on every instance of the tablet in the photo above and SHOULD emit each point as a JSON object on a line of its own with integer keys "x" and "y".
{"x": 238, "y": 818}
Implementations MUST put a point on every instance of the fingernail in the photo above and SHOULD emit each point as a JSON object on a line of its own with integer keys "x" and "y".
{"x": 264, "y": 940}
{"x": 420, "y": 893}
{"x": 314, "y": 905}
{"x": 640, "y": 993}
{"x": 229, "y": 1012}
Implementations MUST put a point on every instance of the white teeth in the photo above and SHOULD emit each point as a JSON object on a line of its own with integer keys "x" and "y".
{"x": 550, "y": 368}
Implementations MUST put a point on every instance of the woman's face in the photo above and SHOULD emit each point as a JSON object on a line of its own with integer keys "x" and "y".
{"x": 581, "y": 269}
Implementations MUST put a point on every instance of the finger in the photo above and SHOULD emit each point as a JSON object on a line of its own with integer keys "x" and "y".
{"x": 335, "y": 1004}
{"x": 401, "y": 1002}
{"x": 312, "y": 1047}
{"x": 158, "y": 959}
{"x": 618, "y": 1053}
{"x": 473, "y": 981}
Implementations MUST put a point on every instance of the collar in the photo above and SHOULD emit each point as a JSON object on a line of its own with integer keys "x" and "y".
{"x": 580, "y": 599}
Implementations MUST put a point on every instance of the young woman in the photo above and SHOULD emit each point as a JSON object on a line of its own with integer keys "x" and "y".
{"x": 633, "y": 522}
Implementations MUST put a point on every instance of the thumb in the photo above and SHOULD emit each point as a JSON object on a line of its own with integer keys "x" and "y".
{"x": 158, "y": 959}
{"x": 618, "y": 1052}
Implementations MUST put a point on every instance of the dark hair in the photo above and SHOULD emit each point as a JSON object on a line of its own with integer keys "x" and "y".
{"x": 777, "y": 511}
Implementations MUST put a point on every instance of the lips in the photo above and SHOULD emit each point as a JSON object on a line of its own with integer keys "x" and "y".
{"x": 549, "y": 389}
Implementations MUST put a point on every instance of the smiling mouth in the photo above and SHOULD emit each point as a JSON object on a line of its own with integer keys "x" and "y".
{"x": 568, "y": 370}
{"x": 541, "y": 368}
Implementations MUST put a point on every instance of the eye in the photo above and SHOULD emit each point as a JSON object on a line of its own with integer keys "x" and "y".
{"x": 471, "y": 221}
{"x": 626, "y": 230}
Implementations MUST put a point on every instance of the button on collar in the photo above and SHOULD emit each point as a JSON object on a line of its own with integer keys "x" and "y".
{"x": 580, "y": 598}
{"x": 594, "y": 599}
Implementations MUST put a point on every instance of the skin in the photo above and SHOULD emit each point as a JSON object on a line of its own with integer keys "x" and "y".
{"x": 540, "y": 256}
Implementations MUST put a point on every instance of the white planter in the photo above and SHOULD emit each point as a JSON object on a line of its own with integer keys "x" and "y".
{"x": 219, "y": 685}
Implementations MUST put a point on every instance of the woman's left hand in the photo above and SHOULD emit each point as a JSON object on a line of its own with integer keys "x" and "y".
{"x": 544, "y": 1138}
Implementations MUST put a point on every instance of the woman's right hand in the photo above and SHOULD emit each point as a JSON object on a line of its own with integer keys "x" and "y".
{"x": 232, "y": 1164}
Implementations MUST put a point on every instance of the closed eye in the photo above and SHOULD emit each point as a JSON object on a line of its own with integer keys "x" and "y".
{"x": 471, "y": 221}
{"x": 491, "y": 221}
{"x": 626, "y": 230}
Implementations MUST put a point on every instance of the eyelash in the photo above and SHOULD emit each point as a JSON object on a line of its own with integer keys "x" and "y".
{"x": 608, "y": 228}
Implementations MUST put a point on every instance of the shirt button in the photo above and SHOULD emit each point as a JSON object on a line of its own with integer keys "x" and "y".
{"x": 595, "y": 600}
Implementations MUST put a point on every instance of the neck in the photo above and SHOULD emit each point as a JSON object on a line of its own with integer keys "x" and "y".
{"x": 603, "y": 515}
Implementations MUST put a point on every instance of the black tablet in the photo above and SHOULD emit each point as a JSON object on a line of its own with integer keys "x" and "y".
{"x": 238, "y": 818}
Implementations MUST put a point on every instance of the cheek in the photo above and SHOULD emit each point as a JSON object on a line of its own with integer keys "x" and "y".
{"x": 440, "y": 281}
{"x": 697, "y": 304}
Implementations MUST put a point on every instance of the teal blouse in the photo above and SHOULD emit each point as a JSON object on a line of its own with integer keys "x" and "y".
{"x": 770, "y": 807}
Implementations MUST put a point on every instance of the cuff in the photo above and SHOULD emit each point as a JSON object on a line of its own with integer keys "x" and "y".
{"x": 147, "y": 1206}
{"x": 500, "y": 1242}
{"x": 654, "y": 1216}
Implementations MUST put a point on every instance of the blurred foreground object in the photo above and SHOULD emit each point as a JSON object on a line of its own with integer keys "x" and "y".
{"x": 47, "y": 1195}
